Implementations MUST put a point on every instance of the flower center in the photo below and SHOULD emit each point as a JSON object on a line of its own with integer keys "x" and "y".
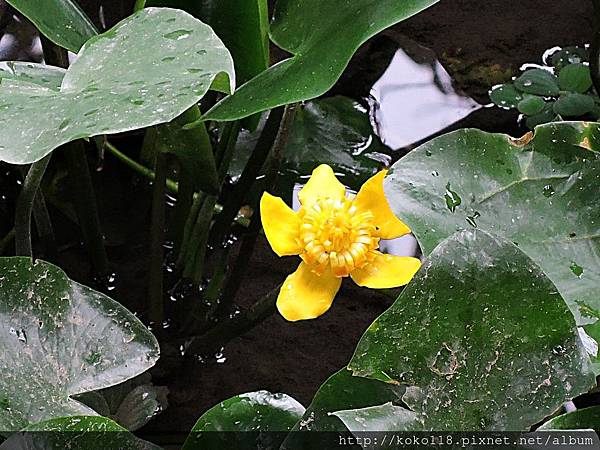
{"x": 335, "y": 234}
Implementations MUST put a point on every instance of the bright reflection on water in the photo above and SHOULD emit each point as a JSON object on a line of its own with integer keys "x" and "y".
{"x": 412, "y": 101}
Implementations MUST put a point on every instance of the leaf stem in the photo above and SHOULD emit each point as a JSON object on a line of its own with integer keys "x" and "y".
{"x": 6, "y": 240}
{"x": 25, "y": 204}
{"x": 249, "y": 241}
{"x": 157, "y": 236}
{"x": 235, "y": 199}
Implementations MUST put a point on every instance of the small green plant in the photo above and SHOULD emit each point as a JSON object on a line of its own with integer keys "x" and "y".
{"x": 560, "y": 89}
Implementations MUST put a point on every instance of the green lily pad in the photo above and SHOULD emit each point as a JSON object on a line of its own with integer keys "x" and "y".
{"x": 540, "y": 193}
{"x": 264, "y": 417}
{"x": 60, "y": 338}
{"x": 573, "y": 105}
{"x": 537, "y": 82}
{"x": 575, "y": 78}
{"x": 581, "y": 419}
{"x": 505, "y": 96}
{"x": 115, "y": 85}
{"x": 480, "y": 337}
{"x": 318, "y": 35}
{"x": 61, "y": 21}
{"x": 76, "y": 433}
{"x": 532, "y": 104}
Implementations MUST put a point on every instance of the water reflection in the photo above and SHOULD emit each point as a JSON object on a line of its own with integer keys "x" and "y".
{"x": 412, "y": 101}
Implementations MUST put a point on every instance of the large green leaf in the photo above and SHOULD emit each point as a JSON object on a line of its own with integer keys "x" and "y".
{"x": 259, "y": 419}
{"x": 322, "y": 36}
{"x": 581, "y": 419}
{"x": 59, "y": 338}
{"x": 76, "y": 433}
{"x": 61, "y": 21}
{"x": 386, "y": 417}
{"x": 147, "y": 70}
{"x": 481, "y": 338}
{"x": 243, "y": 27}
{"x": 541, "y": 194}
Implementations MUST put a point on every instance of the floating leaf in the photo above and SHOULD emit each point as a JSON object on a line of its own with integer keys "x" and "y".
{"x": 505, "y": 181}
{"x": 532, "y": 104}
{"x": 76, "y": 433}
{"x": 572, "y": 105}
{"x": 60, "y": 338}
{"x": 480, "y": 337}
{"x": 115, "y": 86}
{"x": 386, "y": 417}
{"x": 505, "y": 96}
{"x": 318, "y": 35}
{"x": 569, "y": 55}
{"x": 61, "y": 21}
{"x": 259, "y": 412}
{"x": 575, "y": 78}
{"x": 538, "y": 82}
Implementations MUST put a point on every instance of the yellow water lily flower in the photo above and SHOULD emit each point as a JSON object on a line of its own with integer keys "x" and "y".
{"x": 336, "y": 236}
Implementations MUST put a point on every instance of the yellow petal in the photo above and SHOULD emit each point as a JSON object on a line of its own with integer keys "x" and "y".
{"x": 372, "y": 198}
{"x": 322, "y": 184}
{"x": 386, "y": 271}
{"x": 305, "y": 295}
{"x": 281, "y": 225}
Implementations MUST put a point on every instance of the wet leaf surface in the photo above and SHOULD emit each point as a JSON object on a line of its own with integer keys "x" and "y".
{"x": 115, "y": 85}
{"x": 259, "y": 412}
{"x": 39, "y": 74}
{"x": 318, "y": 35}
{"x": 61, "y": 21}
{"x": 480, "y": 337}
{"x": 60, "y": 338}
{"x": 539, "y": 193}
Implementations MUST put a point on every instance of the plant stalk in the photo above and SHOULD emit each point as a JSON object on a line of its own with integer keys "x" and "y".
{"x": 235, "y": 199}
{"x": 25, "y": 204}
{"x": 595, "y": 48}
{"x": 249, "y": 241}
{"x": 157, "y": 237}
{"x": 6, "y": 240}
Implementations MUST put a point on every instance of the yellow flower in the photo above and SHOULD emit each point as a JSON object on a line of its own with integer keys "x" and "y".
{"x": 336, "y": 236}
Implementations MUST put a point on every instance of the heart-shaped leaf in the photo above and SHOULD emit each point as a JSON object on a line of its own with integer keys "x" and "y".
{"x": 581, "y": 419}
{"x": 61, "y": 21}
{"x": 76, "y": 433}
{"x": 540, "y": 193}
{"x": 481, "y": 338}
{"x": 538, "y": 82}
{"x": 147, "y": 70}
{"x": 265, "y": 417}
{"x": 318, "y": 35}
{"x": 59, "y": 338}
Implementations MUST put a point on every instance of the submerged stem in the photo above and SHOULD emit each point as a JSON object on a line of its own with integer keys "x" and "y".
{"x": 25, "y": 204}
